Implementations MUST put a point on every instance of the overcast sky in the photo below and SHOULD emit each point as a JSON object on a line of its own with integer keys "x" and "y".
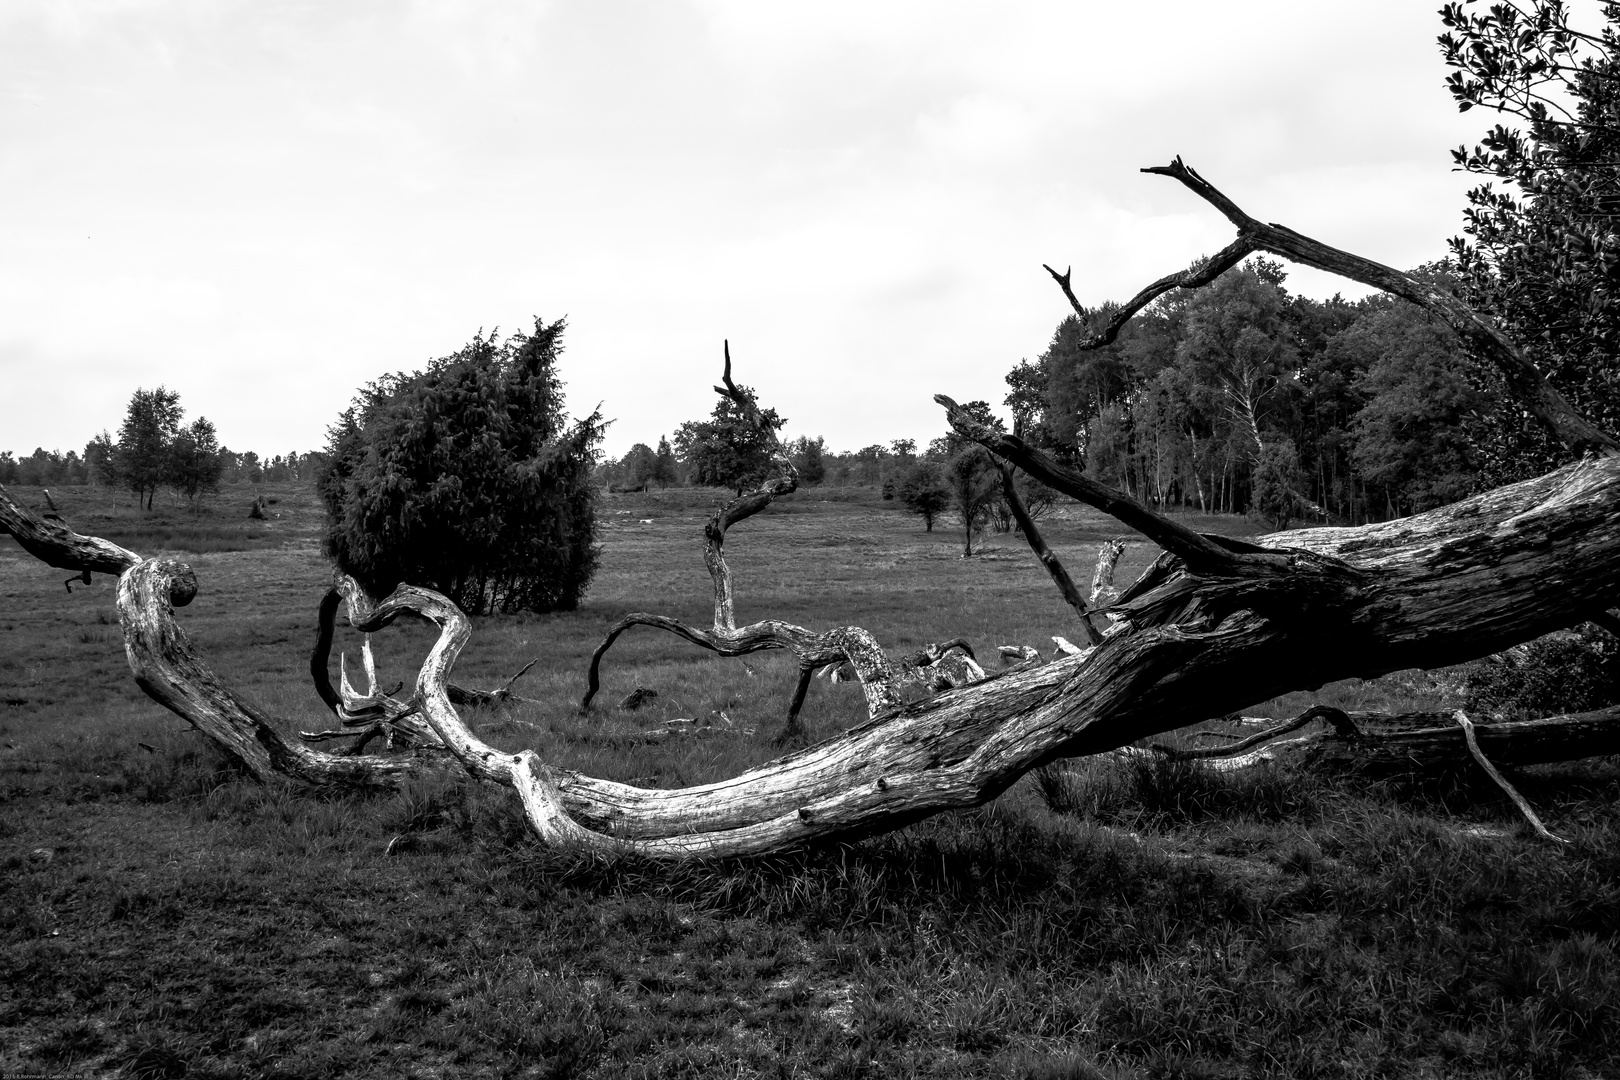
{"x": 265, "y": 205}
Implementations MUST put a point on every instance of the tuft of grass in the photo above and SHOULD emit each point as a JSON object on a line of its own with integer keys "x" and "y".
{"x": 1158, "y": 791}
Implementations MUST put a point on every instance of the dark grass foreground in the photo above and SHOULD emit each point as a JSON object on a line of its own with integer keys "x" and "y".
{"x": 162, "y": 917}
{"x": 186, "y": 923}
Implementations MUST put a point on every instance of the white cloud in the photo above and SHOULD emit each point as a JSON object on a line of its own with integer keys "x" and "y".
{"x": 264, "y": 206}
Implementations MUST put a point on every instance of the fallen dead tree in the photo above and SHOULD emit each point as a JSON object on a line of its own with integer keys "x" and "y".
{"x": 1213, "y": 625}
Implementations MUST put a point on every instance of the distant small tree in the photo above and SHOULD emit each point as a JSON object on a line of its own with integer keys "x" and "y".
{"x": 807, "y": 458}
{"x": 969, "y": 473}
{"x": 637, "y": 467}
{"x": 98, "y": 460}
{"x": 666, "y": 470}
{"x": 1036, "y": 496}
{"x": 42, "y": 468}
{"x": 466, "y": 478}
{"x": 1277, "y": 480}
{"x": 194, "y": 461}
{"x": 924, "y": 492}
{"x": 141, "y": 457}
{"x": 974, "y": 484}
{"x": 726, "y": 450}
{"x": 871, "y": 462}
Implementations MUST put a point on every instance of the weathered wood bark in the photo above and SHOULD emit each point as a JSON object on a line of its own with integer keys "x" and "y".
{"x": 1103, "y": 591}
{"x": 1213, "y": 625}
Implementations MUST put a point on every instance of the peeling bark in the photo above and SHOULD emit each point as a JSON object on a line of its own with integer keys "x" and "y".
{"x": 1103, "y": 591}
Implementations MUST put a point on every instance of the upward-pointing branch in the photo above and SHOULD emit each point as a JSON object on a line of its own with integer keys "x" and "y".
{"x": 1527, "y": 385}
{"x": 1195, "y": 276}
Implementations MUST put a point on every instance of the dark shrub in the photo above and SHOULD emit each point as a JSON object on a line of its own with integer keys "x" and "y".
{"x": 1567, "y": 672}
{"x": 464, "y": 478}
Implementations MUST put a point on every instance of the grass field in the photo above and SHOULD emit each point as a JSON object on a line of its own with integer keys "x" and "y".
{"x": 162, "y": 916}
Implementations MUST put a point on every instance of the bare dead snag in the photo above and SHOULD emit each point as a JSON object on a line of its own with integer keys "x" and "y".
{"x": 168, "y": 668}
{"x": 1037, "y": 544}
{"x": 54, "y": 544}
{"x": 851, "y": 644}
{"x": 365, "y": 716}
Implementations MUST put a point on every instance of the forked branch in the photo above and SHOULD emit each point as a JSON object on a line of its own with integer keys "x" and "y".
{"x": 1522, "y": 378}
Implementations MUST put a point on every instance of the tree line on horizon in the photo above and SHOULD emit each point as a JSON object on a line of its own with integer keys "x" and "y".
{"x": 1236, "y": 398}
{"x": 154, "y": 450}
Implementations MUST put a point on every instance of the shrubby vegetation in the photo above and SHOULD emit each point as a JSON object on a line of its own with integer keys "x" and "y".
{"x": 466, "y": 478}
{"x": 1566, "y": 672}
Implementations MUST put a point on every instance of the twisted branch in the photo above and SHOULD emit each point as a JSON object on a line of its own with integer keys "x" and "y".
{"x": 879, "y": 676}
